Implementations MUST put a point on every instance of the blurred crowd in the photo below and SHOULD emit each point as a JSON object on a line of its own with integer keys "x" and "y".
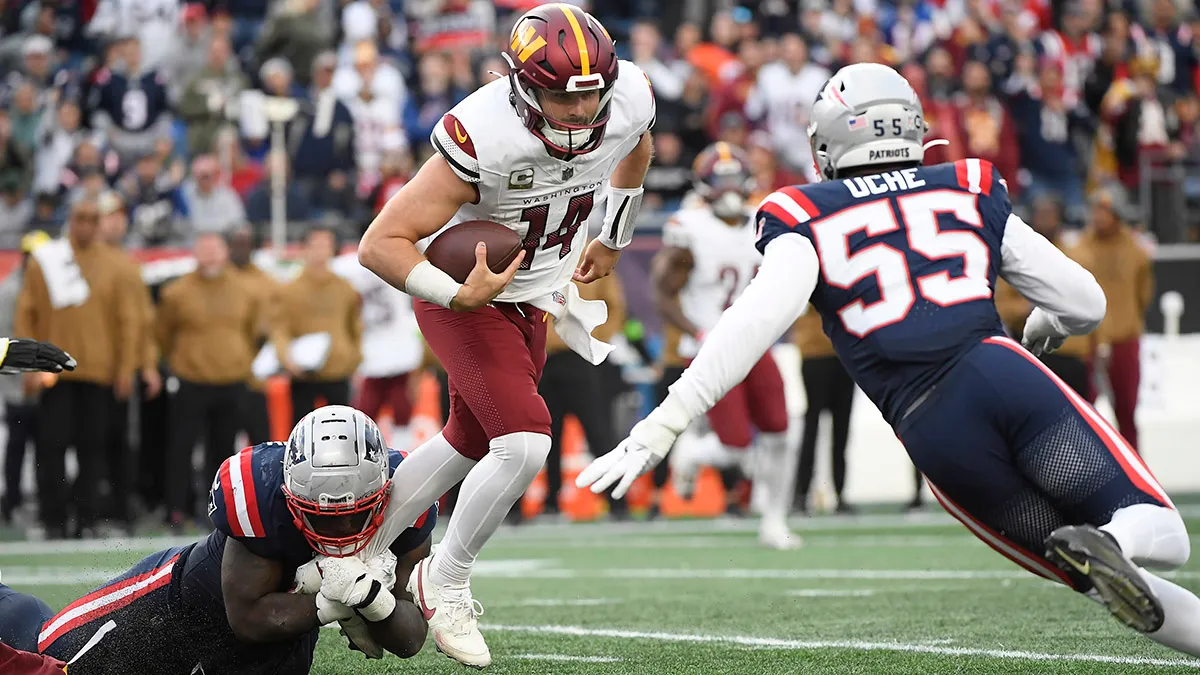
{"x": 169, "y": 103}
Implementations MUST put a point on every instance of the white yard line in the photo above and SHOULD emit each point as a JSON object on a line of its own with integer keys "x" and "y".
{"x": 853, "y": 645}
{"x": 558, "y": 602}
{"x": 565, "y": 657}
{"x": 830, "y": 593}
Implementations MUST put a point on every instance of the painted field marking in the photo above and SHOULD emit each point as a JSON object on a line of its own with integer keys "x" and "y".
{"x": 566, "y": 657}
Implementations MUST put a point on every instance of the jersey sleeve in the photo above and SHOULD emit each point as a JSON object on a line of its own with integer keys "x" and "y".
{"x": 241, "y": 497}
{"x": 451, "y": 140}
{"x": 785, "y": 210}
{"x": 981, "y": 177}
{"x": 1048, "y": 278}
{"x": 642, "y": 107}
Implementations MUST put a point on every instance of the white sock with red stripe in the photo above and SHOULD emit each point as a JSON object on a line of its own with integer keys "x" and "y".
{"x": 1151, "y": 536}
{"x": 1181, "y": 629}
{"x": 487, "y": 494}
{"x": 776, "y": 471}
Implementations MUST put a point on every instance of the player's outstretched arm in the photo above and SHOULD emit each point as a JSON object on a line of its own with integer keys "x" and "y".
{"x": 775, "y": 298}
{"x": 1068, "y": 299}
{"x": 403, "y": 632}
{"x": 256, "y": 609}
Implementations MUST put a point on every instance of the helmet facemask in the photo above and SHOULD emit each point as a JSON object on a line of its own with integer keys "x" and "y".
{"x": 560, "y": 136}
{"x": 359, "y": 519}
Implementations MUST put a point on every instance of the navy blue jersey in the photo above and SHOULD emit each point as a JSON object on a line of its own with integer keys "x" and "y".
{"x": 908, "y": 259}
{"x": 134, "y": 104}
{"x": 247, "y": 503}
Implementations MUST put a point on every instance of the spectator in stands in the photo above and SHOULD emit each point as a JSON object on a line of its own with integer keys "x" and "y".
{"x": 46, "y": 215}
{"x": 209, "y": 204}
{"x": 667, "y": 75}
{"x": 150, "y": 194}
{"x": 366, "y": 69}
{"x": 116, "y": 482}
{"x": 435, "y": 96}
{"x": 13, "y": 160}
{"x": 319, "y": 301}
{"x": 37, "y": 69}
{"x": 670, "y": 175}
{"x": 208, "y": 326}
{"x": 395, "y": 170}
{"x": 153, "y": 26}
{"x": 295, "y": 33}
{"x": 254, "y": 418}
{"x": 731, "y": 94}
{"x": 572, "y": 386}
{"x": 95, "y": 317}
{"x": 26, "y": 117}
{"x": 192, "y": 51}
{"x": 1044, "y": 120}
{"x": 56, "y": 143}
{"x": 378, "y": 130}
{"x": 827, "y": 386}
{"x": 20, "y": 405}
{"x": 129, "y": 103}
{"x": 985, "y": 126}
{"x": 1112, "y": 253}
{"x": 939, "y": 116}
{"x": 321, "y": 140}
{"x": 298, "y": 203}
{"x": 782, "y": 97}
{"x": 16, "y": 212}
{"x": 1134, "y": 114}
{"x": 456, "y": 26}
{"x": 244, "y": 174}
{"x": 208, "y": 93}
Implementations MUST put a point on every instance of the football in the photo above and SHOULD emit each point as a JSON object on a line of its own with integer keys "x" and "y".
{"x": 453, "y": 251}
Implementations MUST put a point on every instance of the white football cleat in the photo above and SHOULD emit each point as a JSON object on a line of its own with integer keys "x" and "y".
{"x": 451, "y": 614}
{"x": 775, "y": 534}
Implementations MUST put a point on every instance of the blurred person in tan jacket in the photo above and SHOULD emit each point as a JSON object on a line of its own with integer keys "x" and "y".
{"x": 121, "y": 469}
{"x": 1069, "y": 362}
{"x": 255, "y": 417}
{"x": 572, "y": 386}
{"x": 76, "y": 295}
{"x": 1111, "y": 252}
{"x": 827, "y": 386}
{"x": 319, "y": 301}
{"x": 208, "y": 322}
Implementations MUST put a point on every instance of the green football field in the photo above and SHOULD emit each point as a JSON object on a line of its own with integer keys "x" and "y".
{"x": 876, "y": 594}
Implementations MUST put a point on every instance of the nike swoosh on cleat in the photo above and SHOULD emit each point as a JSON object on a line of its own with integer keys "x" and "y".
{"x": 425, "y": 611}
{"x": 1083, "y": 569}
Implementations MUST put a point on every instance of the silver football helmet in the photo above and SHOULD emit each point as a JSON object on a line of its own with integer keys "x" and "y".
{"x": 867, "y": 113}
{"x": 336, "y": 479}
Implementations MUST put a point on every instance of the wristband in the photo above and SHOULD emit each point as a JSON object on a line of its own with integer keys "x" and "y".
{"x": 430, "y": 283}
{"x": 379, "y": 603}
{"x": 329, "y": 611}
{"x": 621, "y": 217}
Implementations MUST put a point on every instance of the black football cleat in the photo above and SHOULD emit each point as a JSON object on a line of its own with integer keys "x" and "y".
{"x": 1084, "y": 551}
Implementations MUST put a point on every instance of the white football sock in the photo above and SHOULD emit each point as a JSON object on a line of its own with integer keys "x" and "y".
{"x": 1181, "y": 629}
{"x": 487, "y": 494}
{"x": 420, "y": 480}
{"x": 776, "y": 471}
{"x": 1151, "y": 536}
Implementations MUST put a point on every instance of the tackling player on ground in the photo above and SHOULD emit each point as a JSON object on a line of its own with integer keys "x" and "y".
{"x": 249, "y": 598}
{"x": 536, "y": 151}
{"x": 900, "y": 260}
{"x": 707, "y": 260}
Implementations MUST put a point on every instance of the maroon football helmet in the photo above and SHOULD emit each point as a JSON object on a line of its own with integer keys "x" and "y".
{"x": 559, "y": 47}
{"x": 722, "y": 177}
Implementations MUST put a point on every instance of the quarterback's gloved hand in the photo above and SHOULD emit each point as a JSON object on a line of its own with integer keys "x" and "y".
{"x": 350, "y": 582}
{"x": 648, "y": 443}
{"x": 31, "y": 356}
{"x": 1043, "y": 333}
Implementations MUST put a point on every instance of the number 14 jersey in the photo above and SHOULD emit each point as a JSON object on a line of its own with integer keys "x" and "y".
{"x": 545, "y": 200}
{"x": 908, "y": 261}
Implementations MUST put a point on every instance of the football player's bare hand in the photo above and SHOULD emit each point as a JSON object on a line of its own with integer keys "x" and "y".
{"x": 482, "y": 284}
{"x": 153, "y": 381}
{"x": 598, "y": 262}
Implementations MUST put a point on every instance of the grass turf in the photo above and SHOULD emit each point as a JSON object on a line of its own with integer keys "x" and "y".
{"x": 868, "y": 595}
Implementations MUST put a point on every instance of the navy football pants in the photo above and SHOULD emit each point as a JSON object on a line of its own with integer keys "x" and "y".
{"x": 1014, "y": 453}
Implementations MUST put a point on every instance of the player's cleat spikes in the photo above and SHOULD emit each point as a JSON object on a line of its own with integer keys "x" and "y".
{"x": 451, "y": 613}
{"x": 1085, "y": 550}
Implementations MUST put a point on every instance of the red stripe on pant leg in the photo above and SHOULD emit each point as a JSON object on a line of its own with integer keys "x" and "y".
{"x": 1109, "y": 436}
{"x": 99, "y": 612}
{"x": 1049, "y": 571}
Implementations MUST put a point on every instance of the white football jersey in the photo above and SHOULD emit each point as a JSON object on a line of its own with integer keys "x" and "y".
{"x": 544, "y": 199}
{"x": 391, "y": 343}
{"x": 725, "y": 261}
{"x": 377, "y": 130}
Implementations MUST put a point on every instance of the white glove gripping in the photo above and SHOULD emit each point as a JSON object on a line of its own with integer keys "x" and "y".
{"x": 647, "y": 445}
{"x": 1043, "y": 333}
{"x": 383, "y": 568}
{"x": 329, "y": 611}
{"x": 308, "y": 575}
{"x": 350, "y": 582}
{"x": 621, "y": 216}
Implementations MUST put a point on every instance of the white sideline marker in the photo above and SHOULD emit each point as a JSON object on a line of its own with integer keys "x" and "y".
{"x": 566, "y": 657}
{"x": 858, "y": 645}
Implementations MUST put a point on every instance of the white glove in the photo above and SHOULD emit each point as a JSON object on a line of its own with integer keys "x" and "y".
{"x": 308, "y": 575}
{"x": 648, "y": 442}
{"x": 1043, "y": 333}
{"x": 329, "y": 611}
{"x": 383, "y": 568}
{"x": 350, "y": 582}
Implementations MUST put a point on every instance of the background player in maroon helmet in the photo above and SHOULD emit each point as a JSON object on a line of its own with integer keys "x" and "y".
{"x": 536, "y": 151}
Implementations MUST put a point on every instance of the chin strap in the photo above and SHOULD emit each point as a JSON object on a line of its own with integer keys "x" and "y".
{"x": 934, "y": 143}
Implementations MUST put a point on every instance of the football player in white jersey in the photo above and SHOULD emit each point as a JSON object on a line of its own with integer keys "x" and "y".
{"x": 707, "y": 261}
{"x": 537, "y": 150}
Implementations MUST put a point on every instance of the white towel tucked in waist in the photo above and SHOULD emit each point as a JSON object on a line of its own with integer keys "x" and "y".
{"x": 63, "y": 277}
{"x": 574, "y": 321}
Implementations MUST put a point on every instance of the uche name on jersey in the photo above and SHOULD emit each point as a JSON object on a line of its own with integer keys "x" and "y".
{"x": 865, "y": 186}
{"x": 565, "y": 191}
